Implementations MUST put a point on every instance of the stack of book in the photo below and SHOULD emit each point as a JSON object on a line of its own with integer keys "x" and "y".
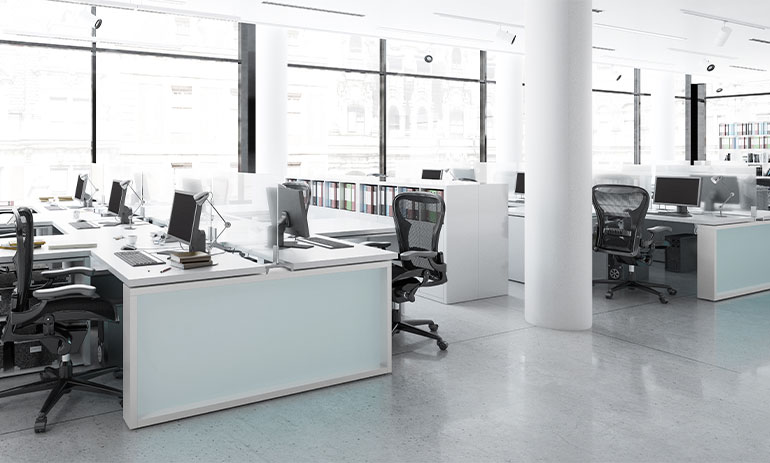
{"x": 188, "y": 260}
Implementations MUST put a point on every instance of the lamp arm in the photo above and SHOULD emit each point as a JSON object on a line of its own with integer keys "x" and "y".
{"x": 227, "y": 224}
{"x": 141, "y": 200}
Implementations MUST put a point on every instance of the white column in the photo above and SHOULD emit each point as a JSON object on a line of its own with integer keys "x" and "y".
{"x": 661, "y": 122}
{"x": 558, "y": 178}
{"x": 509, "y": 111}
{"x": 270, "y": 96}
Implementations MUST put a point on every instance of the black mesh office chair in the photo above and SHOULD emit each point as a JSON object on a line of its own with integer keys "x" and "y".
{"x": 419, "y": 217}
{"x": 59, "y": 321}
{"x": 303, "y": 187}
{"x": 620, "y": 212}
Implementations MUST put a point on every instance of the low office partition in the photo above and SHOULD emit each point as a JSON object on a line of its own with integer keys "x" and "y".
{"x": 193, "y": 348}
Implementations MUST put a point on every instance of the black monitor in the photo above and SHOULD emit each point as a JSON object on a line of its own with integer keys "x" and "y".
{"x": 185, "y": 220}
{"x": 519, "y": 183}
{"x": 117, "y": 198}
{"x": 290, "y": 216}
{"x": 432, "y": 174}
{"x": 80, "y": 189}
{"x": 678, "y": 191}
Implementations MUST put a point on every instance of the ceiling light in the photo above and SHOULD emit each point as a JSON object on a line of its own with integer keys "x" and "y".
{"x": 603, "y": 48}
{"x": 710, "y": 67}
{"x": 637, "y": 31}
{"x": 595, "y": 10}
{"x": 767, "y": 42}
{"x": 618, "y": 78}
{"x": 719, "y": 90}
{"x": 701, "y": 53}
{"x": 505, "y": 36}
{"x": 310, "y": 8}
{"x": 428, "y": 59}
{"x": 478, "y": 20}
{"x": 90, "y": 18}
{"x": 748, "y": 68}
{"x": 724, "y": 34}
{"x": 723, "y": 19}
{"x": 431, "y": 34}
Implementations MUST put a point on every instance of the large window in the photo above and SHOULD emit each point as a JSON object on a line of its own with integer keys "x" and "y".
{"x": 45, "y": 120}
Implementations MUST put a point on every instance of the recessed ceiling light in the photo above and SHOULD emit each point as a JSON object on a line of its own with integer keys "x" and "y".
{"x": 748, "y": 68}
{"x": 311, "y": 8}
{"x": 723, "y": 19}
{"x": 478, "y": 20}
{"x": 701, "y": 53}
{"x": 637, "y": 31}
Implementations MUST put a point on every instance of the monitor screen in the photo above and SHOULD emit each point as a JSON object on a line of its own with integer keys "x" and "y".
{"x": 432, "y": 174}
{"x": 519, "y": 183}
{"x": 80, "y": 188}
{"x": 677, "y": 191}
{"x": 116, "y": 198}
{"x": 185, "y": 216}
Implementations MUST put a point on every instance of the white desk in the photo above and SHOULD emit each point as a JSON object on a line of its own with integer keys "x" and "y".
{"x": 200, "y": 340}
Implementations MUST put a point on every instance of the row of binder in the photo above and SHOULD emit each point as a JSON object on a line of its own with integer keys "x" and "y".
{"x": 744, "y": 143}
{"x": 748, "y": 128}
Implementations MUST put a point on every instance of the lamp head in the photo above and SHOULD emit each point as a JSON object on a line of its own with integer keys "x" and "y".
{"x": 716, "y": 179}
{"x": 125, "y": 183}
{"x": 201, "y": 197}
{"x": 84, "y": 177}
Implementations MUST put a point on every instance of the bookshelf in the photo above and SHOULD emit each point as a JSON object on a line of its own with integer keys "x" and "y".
{"x": 474, "y": 238}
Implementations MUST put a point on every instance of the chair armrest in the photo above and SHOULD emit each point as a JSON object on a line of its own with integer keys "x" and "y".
{"x": 411, "y": 255}
{"x": 50, "y": 274}
{"x": 658, "y": 229}
{"x": 377, "y": 244}
{"x": 63, "y": 291}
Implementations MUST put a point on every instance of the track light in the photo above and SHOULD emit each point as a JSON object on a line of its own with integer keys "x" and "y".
{"x": 618, "y": 78}
{"x": 90, "y": 18}
{"x": 724, "y": 34}
{"x": 710, "y": 66}
{"x": 506, "y": 36}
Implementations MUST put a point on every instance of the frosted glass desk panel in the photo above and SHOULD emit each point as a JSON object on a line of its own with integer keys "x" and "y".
{"x": 201, "y": 345}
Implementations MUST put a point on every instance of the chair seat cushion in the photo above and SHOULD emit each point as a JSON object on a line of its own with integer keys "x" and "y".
{"x": 80, "y": 309}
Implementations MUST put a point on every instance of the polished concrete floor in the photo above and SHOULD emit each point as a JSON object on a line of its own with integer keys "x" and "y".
{"x": 687, "y": 381}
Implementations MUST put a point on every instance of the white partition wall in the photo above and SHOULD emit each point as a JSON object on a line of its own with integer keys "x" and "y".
{"x": 558, "y": 225}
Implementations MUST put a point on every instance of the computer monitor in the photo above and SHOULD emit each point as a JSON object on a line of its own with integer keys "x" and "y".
{"x": 519, "y": 183}
{"x": 80, "y": 189}
{"x": 718, "y": 189}
{"x": 117, "y": 198}
{"x": 432, "y": 174}
{"x": 678, "y": 191}
{"x": 185, "y": 220}
{"x": 289, "y": 214}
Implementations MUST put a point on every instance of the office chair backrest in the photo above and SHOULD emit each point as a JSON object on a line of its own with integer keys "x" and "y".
{"x": 419, "y": 217}
{"x": 303, "y": 187}
{"x": 25, "y": 240}
{"x": 620, "y": 212}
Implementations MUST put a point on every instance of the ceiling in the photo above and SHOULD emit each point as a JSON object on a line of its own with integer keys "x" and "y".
{"x": 417, "y": 20}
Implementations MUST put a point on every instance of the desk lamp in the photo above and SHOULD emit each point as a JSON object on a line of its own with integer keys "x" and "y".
{"x": 203, "y": 197}
{"x": 126, "y": 213}
{"x": 90, "y": 201}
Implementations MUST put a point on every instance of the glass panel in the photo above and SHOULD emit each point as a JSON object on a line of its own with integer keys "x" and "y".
{"x": 154, "y": 112}
{"x": 45, "y": 120}
{"x": 447, "y": 61}
{"x": 432, "y": 124}
{"x": 333, "y": 50}
{"x": 47, "y": 22}
{"x": 613, "y": 77}
{"x": 613, "y": 128}
{"x": 750, "y": 133}
{"x": 167, "y": 33}
{"x": 491, "y": 126}
{"x": 333, "y": 123}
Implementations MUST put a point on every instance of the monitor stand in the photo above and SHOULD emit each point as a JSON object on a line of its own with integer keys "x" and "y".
{"x": 282, "y": 224}
{"x": 681, "y": 211}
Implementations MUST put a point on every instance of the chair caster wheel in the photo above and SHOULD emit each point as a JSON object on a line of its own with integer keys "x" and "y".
{"x": 608, "y": 295}
{"x": 663, "y": 300}
{"x": 433, "y": 327}
{"x": 442, "y": 345}
{"x": 40, "y": 423}
{"x": 671, "y": 291}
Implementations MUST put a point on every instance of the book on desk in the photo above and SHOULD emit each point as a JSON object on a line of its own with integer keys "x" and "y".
{"x": 189, "y": 260}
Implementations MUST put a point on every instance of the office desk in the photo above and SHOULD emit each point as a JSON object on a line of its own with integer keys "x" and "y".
{"x": 730, "y": 261}
{"x": 200, "y": 340}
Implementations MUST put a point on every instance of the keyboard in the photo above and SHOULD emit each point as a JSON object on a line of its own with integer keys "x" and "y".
{"x": 54, "y": 207}
{"x": 84, "y": 225}
{"x": 325, "y": 243}
{"x": 138, "y": 258}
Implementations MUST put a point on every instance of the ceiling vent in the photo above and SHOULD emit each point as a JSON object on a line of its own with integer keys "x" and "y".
{"x": 317, "y": 10}
{"x": 748, "y": 68}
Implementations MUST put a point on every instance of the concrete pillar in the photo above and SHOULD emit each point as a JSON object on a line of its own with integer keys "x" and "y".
{"x": 661, "y": 124}
{"x": 271, "y": 93}
{"x": 509, "y": 111}
{"x": 557, "y": 266}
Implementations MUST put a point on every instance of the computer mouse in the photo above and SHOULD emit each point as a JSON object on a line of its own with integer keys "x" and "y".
{"x": 128, "y": 247}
